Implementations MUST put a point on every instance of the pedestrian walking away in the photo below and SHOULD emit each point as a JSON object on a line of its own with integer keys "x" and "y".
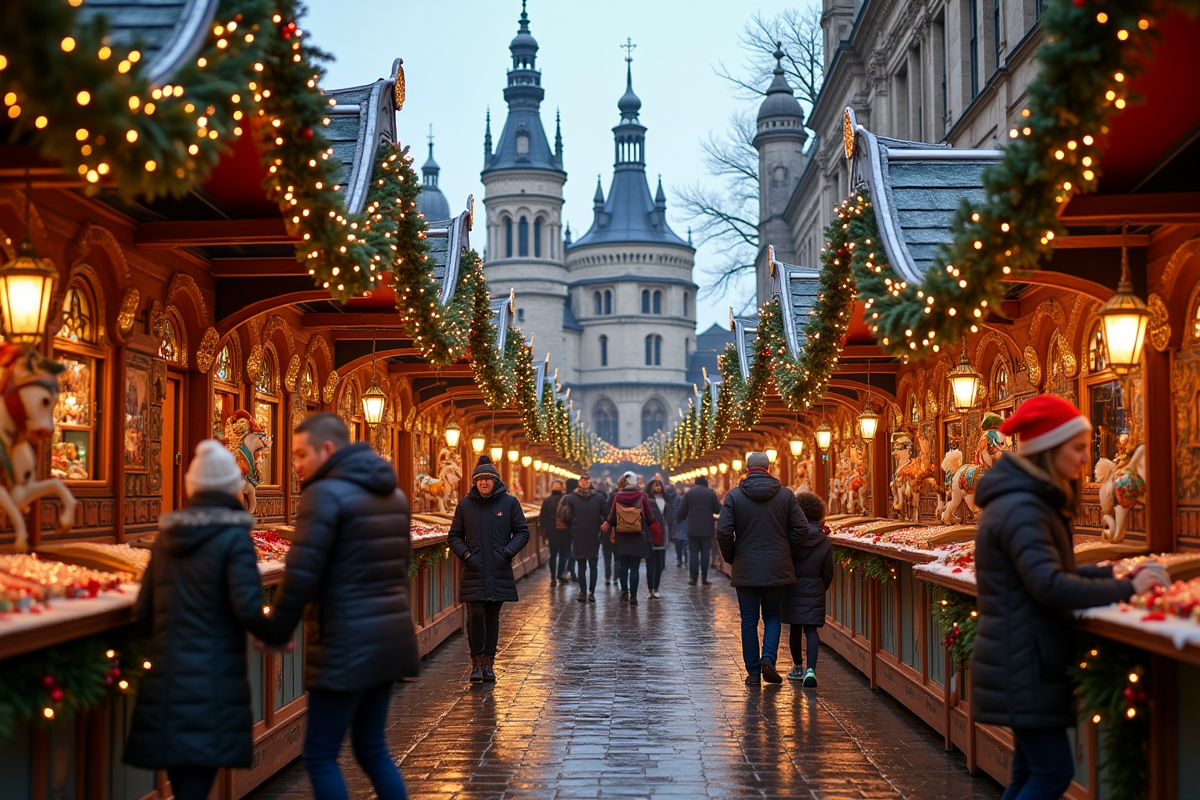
{"x": 760, "y": 529}
{"x": 192, "y": 714}
{"x": 631, "y": 526}
{"x": 585, "y": 510}
{"x": 487, "y": 532}
{"x": 803, "y": 607}
{"x": 347, "y": 573}
{"x": 606, "y": 545}
{"x": 557, "y": 534}
{"x": 698, "y": 510}
{"x": 664, "y": 515}
{"x": 1028, "y": 586}
{"x": 680, "y": 537}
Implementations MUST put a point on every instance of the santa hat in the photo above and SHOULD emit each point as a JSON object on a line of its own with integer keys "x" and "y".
{"x": 485, "y": 469}
{"x": 213, "y": 469}
{"x": 1043, "y": 422}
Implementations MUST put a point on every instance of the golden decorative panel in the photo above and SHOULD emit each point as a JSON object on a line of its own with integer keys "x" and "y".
{"x": 1035, "y": 369}
{"x": 293, "y": 372}
{"x": 254, "y": 362}
{"x": 330, "y": 387}
{"x": 1160, "y": 329}
{"x": 207, "y": 352}
{"x": 128, "y": 313}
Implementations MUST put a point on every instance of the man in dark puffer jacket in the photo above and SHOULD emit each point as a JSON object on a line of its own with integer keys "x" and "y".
{"x": 760, "y": 526}
{"x": 349, "y": 567}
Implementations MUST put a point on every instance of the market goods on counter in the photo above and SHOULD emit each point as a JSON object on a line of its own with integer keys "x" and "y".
{"x": 1096, "y": 550}
{"x": 1181, "y": 599}
{"x": 422, "y": 532}
{"x": 958, "y": 556}
{"x": 43, "y": 580}
{"x": 1169, "y": 567}
{"x": 270, "y": 546}
{"x": 863, "y": 528}
{"x": 100, "y": 556}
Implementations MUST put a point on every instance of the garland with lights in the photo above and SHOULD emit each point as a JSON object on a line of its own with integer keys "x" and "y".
{"x": 1090, "y": 54}
{"x": 429, "y": 555}
{"x": 956, "y": 616}
{"x": 869, "y": 564}
{"x": 55, "y": 684}
{"x": 1112, "y": 691}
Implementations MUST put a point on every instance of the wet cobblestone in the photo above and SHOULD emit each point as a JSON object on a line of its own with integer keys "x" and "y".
{"x": 607, "y": 700}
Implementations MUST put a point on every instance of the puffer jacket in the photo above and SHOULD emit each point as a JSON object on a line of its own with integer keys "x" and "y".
{"x": 804, "y": 601}
{"x": 486, "y": 534}
{"x": 547, "y": 519}
{"x": 633, "y": 544}
{"x": 1028, "y": 585}
{"x": 697, "y": 508}
{"x": 760, "y": 527}
{"x": 587, "y": 515}
{"x": 347, "y": 573}
{"x": 200, "y": 595}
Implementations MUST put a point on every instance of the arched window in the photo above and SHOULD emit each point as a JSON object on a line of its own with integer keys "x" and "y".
{"x": 657, "y": 302}
{"x": 537, "y": 238}
{"x": 654, "y": 419}
{"x": 508, "y": 237}
{"x": 523, "y": 237}
{"x": 658, "y": 351}
{"x": 605, "y": 422}
{"x": 599, "y": 303}
{"x": 266, "y": 412}
{"x": 645, "y": 301}
{"x": 310, "y": 388}
{"x": 604, "y": 351}
{"x": 225, "y": 389}
{"x": 223, "y": 371}
{"x": 1097, "y": 352}
{"x": 1001, "y": 388}
{"x": 169, "y": 348}
{"x": 74, "y": 448}
{"x": 608, "y": 301}
{"x": 687, "y": 304}
{"x": 266, "y": 380}
{"x": 650, "y": 351}
{"x": 653, "y": 351}
{"x": 77, "y": 317}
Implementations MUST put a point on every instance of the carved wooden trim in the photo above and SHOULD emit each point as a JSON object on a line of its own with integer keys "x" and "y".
{"x": 1035, "y": 368}
{"x": 293, "y": 373}
{"x": 98, "y": 236}
{"x": 330, "y": 387}
{"x": 183, "y": 282}
{"x": 127, "y": 315}
{"x": 1185, "y": 251}
{"x": 254, "y": 362}
{"x": 1160, "y": 328}
{"x": 206, "y": 353}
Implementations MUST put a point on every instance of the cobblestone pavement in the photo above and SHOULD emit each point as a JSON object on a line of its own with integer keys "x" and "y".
{"x": 607, "y": 700}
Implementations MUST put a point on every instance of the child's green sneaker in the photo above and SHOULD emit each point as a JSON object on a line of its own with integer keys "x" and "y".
{"x": 810, "y": 679}
{"x": 796, "y": 673}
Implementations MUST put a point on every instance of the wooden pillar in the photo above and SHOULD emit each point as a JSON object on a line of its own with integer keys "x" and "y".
{"x": 405, "y": 466}
{"x": 1160, "y": 451}
{"x": 115, "y": 441}
{"x": 880, "y": 472}
{"x": 821, "y": 473}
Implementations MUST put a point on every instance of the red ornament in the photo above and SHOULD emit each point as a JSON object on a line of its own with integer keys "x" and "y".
{"x": 48, "y": 680}
{"x": 841, "y": 251}
{"x": 1078, "y": 3}
{"x": 306, "y": 134}
{"x": 289, "y": 30}
{"x": 56, "y": 695}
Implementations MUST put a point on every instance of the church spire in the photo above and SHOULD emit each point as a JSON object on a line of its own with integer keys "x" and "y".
{"x": 558, "y": 135}
{"x": 629, "y": 135}
{"x": 487, "y": 137}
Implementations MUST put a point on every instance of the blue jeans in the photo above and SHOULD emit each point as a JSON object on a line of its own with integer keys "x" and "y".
{"x": 1042, "y": 766}
{"x": 630, "y": 574}
{"x": 593, "y": 567}
{"x": 680, "y": 550}
{"x": 365, "y": 714}
{"x": 606, "y": 549}
{"x": 560, "y": 559}
{"x": 751, "y": 601}
{"x": 654, "y": 568}
{"x": 699, "y": 555}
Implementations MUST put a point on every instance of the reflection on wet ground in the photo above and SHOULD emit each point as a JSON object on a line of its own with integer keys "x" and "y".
{"x": 607, "y": 700}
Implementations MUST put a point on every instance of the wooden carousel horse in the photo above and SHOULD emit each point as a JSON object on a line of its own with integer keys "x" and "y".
{"x": 966, "y": 477}
{"x": 445, "y": 486}
{"x": 1122, "y": 486}
{"x": 29, "y": 388}
{"x": 854, "y": 489}
{"x": 246, "y": 439}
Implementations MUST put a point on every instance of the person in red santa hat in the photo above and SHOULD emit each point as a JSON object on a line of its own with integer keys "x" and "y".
{"x": 1028, "y": 585}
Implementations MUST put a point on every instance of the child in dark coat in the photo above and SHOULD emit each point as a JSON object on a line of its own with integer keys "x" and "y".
{"x": 804, "y": 602}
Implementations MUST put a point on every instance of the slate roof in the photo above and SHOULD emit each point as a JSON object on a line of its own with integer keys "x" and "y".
{"x": 709, "y": 346}
{"x": 745, "y": 331}
{"x": 168, "y": 33}
{"x": 502, "y": 315}
{"x": 797, "y": 288}
{"x": 915, "y": 189}
{"x": 448, "y": 239}
{"x": 360, "y": 118}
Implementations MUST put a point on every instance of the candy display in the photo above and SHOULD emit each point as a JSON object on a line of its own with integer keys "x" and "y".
{"x": 47, "y": 579}
{"x": 270, "y": 546}
{"x": 425, "y": 532}
{"x": 100, "y": 556}
{"x": 958, "y": 556}
{"x": 1181, "y": 599}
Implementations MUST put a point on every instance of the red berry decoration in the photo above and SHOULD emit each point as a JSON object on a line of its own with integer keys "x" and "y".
{"x": 56, "y": 695}
{"x": 1078, "y": 3}
{"x": 306, "y": 134}
{"x": 48, "y": 680}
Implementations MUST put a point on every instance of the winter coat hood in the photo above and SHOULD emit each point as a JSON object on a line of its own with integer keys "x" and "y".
{"x": 358, "y": 464}
{"x": 207, "y": 515}
{"x": 629, "y": 497}
{"x": 1012, "y": 474}
{"x": 498, "y": 488}
{"x": 760, "y": 486}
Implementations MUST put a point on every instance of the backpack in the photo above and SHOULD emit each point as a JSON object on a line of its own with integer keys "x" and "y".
{"x": 565, "y": 515}
{"x": 629, "y": 518}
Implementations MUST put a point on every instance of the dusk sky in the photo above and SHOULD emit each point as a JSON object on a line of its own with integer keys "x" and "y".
{"x": 456, "y": 55}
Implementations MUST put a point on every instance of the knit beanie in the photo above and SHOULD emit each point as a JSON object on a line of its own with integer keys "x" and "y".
{"x": 213, "y": 469}
{"x": 630, "y": 479}
{"x": 485, "y": 469}
{"x": 572, "y": 485}
{"x": 1044, "y": 422}
{"x": 757, "y": 460}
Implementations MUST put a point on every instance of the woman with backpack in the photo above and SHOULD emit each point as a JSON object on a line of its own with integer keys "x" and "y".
{"x": 630, "y": 526}
{"x": 664, "y": 515}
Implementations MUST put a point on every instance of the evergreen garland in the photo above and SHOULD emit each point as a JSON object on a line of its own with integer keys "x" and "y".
{"x": 1112, "y": 689}
{"x": 956, "y": 616}
{"x": 427, "y": 556}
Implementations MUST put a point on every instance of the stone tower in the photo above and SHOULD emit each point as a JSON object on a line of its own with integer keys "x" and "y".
{"x": 780, "y": 145}
{"x": 523, "y": 196}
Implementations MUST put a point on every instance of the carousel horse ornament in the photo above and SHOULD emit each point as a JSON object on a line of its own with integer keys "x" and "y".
{"x": 246, "y": 439}
{"x": 910, "y": 476}
{"x": 902, "y": 452}
{"x": 29, "y": 387}
{"x": 445, "y": 486}
{"x": 1122, "y": 486}
{"x": 854, "y": 488}
{"x": 966, "y": 478}
{"x": 950, "y": 464}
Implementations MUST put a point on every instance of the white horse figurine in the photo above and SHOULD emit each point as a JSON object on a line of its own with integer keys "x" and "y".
{"x": 442, "y": 488}
{"x": 966, "y": 477}
{"x": 1121, "y": 488}
{"x": 951, "y": 463}
{"x": 248, "y": 442}
{"x": 29, "y": 388}
{"x": 835, "y": 494}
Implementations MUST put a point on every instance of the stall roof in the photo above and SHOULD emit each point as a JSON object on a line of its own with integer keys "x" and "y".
{"x": 797, "y": 288}
{"x": 745, "y": 330}
{"x": 448, "y": 240}
{"x": 169, "y": 33}
{"x": 502, "y": 315}
{"x": 915, "y": 188}
{"x": 360, "y": 118}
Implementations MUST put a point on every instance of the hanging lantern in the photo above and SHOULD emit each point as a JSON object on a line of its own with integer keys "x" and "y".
{"x": 514, "y": 456}
{"x": 824, "y": 435}
{"x": 477, "y": 443}
{"x": 537, "y": 464}
{"x": 374, "y": 401}
{"x": 737, "y": 465}
{"x": 26, "y": 286}
{"x": 868, "y": 421}
{"x": 1125, "y": 319}
{"x": 526, "y": 461}
{"x": 964, "y": 383}
{"x": 797, "y": 446}
{"x": 453, "y": 433}
{"x": 497, "y": 453}
{"x": 722, "y": 467}
{"x": 712, "y": 470}
{"x": 772, "y": 454}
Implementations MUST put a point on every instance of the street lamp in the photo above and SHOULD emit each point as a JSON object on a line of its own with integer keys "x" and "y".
{"x": 964, "y": 383}
{"x": 526, "y": 461}
{"x": 453, "y": 434}
{"x": 26, "y": 286}
{"x": 373, "y": 399}
{"x": 722, "y": 467}
{"x": 737, "y": 465}
{"x": 868, "y": 420}
{"x": 824, "y": 435}
{"x": 514, "y": 456}
{"x": 712, "y": 470}
{"x": 797, "y": 446}
{"x": 497, "y": 453}
{"x": 1125, "y": 319}
{"x": 478, "y": 441}
{"x": 537, "y": 464}
{"x": 772, "y": 454}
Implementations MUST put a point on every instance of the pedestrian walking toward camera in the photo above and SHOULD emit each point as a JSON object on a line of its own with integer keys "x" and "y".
{"x": 680, "y": 537}
{"x": 698, "y": 510}
{"x": 585, "y": 510}
{"x": 631, "y": 525}
{"x": 606, "y": 545}
{"x": 487, "y": 532}
{"x": 664, "y": 515}
{"x": 1028, "y": 586}
{"x": 192, "y": 715}
{"x": 803, "y": 606}
{"x": 557, "y": 534}
{"x": 760, "y": 528}
{"x": 347, "y": 572}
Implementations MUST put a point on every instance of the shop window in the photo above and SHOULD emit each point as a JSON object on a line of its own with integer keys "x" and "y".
{"x": 224, "y": 404}
{"x": 223, "y": 369}
{"x": 266, "y": 414}
{"x": 169, "y": 347}
{"x": 1097, "y": 354}
{"x": 74, "y": 446}
{"x": 1106, "y": 407}
{"x": 77, "y": 318}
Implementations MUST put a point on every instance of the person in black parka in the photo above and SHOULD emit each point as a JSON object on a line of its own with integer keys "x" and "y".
{"x": 803, "y": 607}
{"x": 347, "y": 575}
{"x": 585, "y": 509}
{"x": 1028, "y": 585}
{"x": 759, "y": 529}
{"x": 559, "y": 539}
{"x": 698, "y": 510}
{"x": 487, "y": 532}
{"x": 200, "y": 594}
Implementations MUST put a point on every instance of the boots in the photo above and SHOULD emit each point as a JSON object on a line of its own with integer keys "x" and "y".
{"x": 476, "y": 668}
{"x": 489, "y": 674}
